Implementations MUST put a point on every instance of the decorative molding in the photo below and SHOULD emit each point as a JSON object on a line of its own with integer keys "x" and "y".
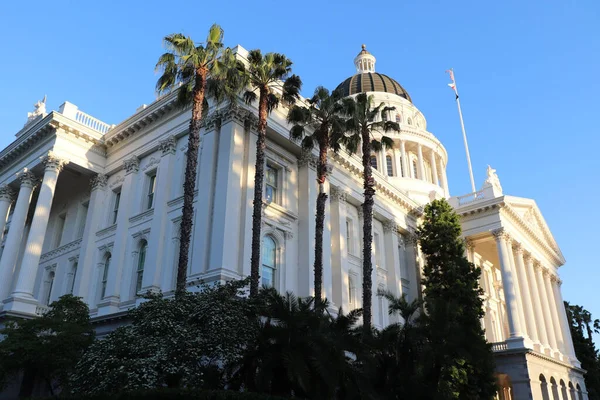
{"x": 6, "y": 193}
{"x": 53, "y": 163}
{"x": 118, "y": 180}
{"x": 146, "y": 215}
{"x": 168, "y": 146}
{"x": 98, "y": 182}
{"x": 107, "y": 230}
{"x": 390, "y": 226}
{"x": 151, "y": 163}
{"x": 131, "y": 165}
{"x": 27, "y": 178}
{"x": 518, "y": 248}
{"x": 469, "y": 244}
{"x": 60, "y": 250}
{"x": 500, "y": 234}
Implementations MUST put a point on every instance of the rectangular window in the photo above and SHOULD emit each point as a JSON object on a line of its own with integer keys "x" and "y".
{"x": 115, "y": 212}
{"x": 60, "y": 227}
{"x": 82, "y": 218}
{"x": 415, "y": 169}
{"x": 376, "y": 249}
{"x": 390, "y": 168}
{"x": 349, "y": 232}
{"x": 151, "y": 188}
{"x": 271, "y": 184}
{"x": 73, "y": 276}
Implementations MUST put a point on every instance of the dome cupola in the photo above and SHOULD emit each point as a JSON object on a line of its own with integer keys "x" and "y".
{"x": 364, "y": 61}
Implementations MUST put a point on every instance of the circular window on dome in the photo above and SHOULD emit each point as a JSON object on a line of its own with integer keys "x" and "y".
{"x": 398, "y": 118}
{"x": 409, "y": 121}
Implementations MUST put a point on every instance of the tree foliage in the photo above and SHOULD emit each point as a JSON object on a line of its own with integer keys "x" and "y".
{"x": 583, "y": 327}
{"x": 46, "y": 348}
{"x": 461, "y": 361}
{"x": 184, "y": 341}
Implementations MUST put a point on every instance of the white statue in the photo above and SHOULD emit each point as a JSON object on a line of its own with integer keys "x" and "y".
{"x": 492, "y": 179}
{"x": 40, "y": 109}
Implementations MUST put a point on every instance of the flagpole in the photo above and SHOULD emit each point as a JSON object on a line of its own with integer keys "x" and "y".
{"x": 462, "y": 125}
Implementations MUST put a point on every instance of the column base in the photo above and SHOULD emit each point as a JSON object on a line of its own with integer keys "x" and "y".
{"x": 108, "y": 305}
{"x": 22, "y": 305}
{"x": 517, "y": 342}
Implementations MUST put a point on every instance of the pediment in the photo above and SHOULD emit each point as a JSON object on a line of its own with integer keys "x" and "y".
{"x": 530, "y": 215}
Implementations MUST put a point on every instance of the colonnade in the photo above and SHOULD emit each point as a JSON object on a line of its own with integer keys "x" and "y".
{"x": 534, "y": 305}
{"x": 402, "y": 166}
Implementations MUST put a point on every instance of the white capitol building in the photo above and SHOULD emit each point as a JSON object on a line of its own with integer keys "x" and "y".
{"x": 94, "y": 209}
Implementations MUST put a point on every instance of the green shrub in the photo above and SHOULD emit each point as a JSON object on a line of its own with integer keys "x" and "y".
{"x": 179, "y": 394}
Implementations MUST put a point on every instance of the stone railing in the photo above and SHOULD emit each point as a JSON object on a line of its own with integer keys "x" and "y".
{"x": 467, "y": 198}
{"x": 499, "y": 346}
{"x": 91, "y": 122}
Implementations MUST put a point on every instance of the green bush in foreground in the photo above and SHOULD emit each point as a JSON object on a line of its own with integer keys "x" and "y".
{"x": 169, "y": 394}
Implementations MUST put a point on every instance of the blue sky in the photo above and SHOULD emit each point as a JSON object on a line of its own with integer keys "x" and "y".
{"x": 527, "y": 72}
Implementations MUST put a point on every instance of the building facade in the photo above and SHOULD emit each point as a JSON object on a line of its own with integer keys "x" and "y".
{"x": 94, "y": 209}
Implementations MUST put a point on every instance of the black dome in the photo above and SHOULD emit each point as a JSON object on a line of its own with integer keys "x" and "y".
{"x": 372, "y": 82}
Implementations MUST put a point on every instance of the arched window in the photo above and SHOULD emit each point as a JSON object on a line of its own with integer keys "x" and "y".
{"x": 415, "y": 169}
{"x": 269, "y": 261}
{"x": 544, "y": 386}
{"x": 554, "y": 388}
{"x": 409, "y": 120}
{"x": 388, "y": 164}
{"x": 579, "y": 392}
{"x": 139, "y": 273}
{"x": 51, "y": 275}
{"x": 563, "y": 390}
{"x": 105, "y": 275}
{"x": 572, "y": 391}
{"x": 374, "y": 162}
{"x": 398, "y": 117}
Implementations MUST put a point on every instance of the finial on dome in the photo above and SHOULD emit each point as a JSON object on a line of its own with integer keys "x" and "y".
{"x": 364, "y": 61}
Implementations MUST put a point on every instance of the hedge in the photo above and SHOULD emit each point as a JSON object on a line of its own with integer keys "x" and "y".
{"x": 179, "y": 394}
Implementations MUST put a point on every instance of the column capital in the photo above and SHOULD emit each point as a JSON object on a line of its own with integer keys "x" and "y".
{"x": 98, "y": 182}
{"x": 131, "y": 165}
{"x": 390, "y": 226}
{"x": 27, "y": 178}
{"x": 6, "y": 193}
{"x": 518, "y": 248}
{"x": 337, "y": 194}
{"x": 168, "y": 146}
{"x": 53, "y": 163}
{"x": 469, "y": 244}
{"x": 307, "y": 158}
{"x": 500, "y": 234}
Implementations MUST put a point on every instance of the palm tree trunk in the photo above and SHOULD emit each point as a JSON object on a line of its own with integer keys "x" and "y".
{"x": 259, "y": 175}
{"x": 368, "y": 185}
{"x": 189, "y": 184}
{"x": 320, "y": 216}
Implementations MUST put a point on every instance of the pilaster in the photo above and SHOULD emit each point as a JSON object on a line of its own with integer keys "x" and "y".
{"x": 307, "y": 203}
{"x": 339, "y": 248}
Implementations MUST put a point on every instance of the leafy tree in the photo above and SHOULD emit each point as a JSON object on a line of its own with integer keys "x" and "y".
{"x": 196, "y": 70}
{"x": 462, "y": 365}
{"x": 184, "y": 341}
{"x": 365, "y": 125}
{"x": 46, "y": 348}
{"x": 326, "y": 127}
{"x": 581, "y": 323}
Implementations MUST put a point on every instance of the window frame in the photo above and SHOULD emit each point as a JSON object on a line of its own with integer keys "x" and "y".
{"x": 51, "y": 277}
{"x": 275, "y": 187}
{"x": 389, "y": 164}
{"x": 116, "y": 203}
{"x": 263, "y": 265}
{"x": 150, "y": 189}
{"x": 374, "y": 162}
{"x": 140, "y": 265}
{"x": 105, "y": 272}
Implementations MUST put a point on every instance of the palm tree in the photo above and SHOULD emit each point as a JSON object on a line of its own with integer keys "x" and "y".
{"x": 264, "y": 75}
{"x": 197, "y": 70}
{"x": 364, "y": 125}
{"x": 326, "y": 127}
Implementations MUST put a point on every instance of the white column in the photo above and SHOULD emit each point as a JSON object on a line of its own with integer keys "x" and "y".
{"x": 539, "y": 273}
{"x": 444, "y": 178}
{"x": 405, "y": 163}
{"x": 398, "y": 161}
{"x": 517, "y": 287}
{"x": 434, "y": 171}
{"x": 157, "y": 244}
{"x": 15, "y": 233}
{"x": 421, "y": 164}
{"x": 6, "y": 198}
{"x": 86, "y": 264}
{"x": 564, "y": 323}
{"x": 37, "y": 231}
{"x": 540, "y": 333}
{"x": 512, "y": 310}
{"x": 526, "y": 300}
{"x": 118, "y": 261}
{"x": 339, "y": 249}
{"x": 558, "y": 333}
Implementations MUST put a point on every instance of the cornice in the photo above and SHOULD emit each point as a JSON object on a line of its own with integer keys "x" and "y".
{"x": 60, "y": 250}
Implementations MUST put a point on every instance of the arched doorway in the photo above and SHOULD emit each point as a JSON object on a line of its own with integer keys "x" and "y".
{"x": 544, "y": 386}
